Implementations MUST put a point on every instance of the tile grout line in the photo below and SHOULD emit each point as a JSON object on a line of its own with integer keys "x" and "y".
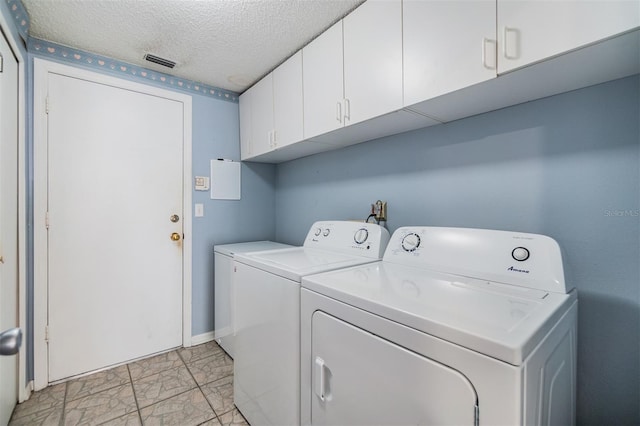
{"x": 135, "y": 397}
{"x": 215, "y": 415}
{"x": 64, "y": 404}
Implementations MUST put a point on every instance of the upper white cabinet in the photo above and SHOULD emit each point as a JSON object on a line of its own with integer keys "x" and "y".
{"x": 373, "y": 60}
{"x": 287, "y": 102}
{"x": 262, "y": 125}
{"x": 447, "y": 45}
{"x": 396, "y": 65}
{"x": 353, "y": 71}
{"x": 531, "y": 31}
{"x": 245, "y": 125}
{"x": 271, "y": 110}
{"x": 322, "y": 71}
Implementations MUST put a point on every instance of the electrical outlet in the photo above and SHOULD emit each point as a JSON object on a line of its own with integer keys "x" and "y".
{"x": 379, "y": 210}
{"x": 382, "y": 215}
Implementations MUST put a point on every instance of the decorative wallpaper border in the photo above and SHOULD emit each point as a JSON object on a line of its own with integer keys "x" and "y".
{"x": 113, "y": 66}
{"x": 91, "y": 60}
{"x": 20, "y": 16}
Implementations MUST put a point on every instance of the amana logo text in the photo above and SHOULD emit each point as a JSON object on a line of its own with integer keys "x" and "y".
{"x": 511, "y": 268}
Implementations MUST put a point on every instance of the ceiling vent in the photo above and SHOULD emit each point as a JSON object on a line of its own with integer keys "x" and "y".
{"x": 160, "y": 61}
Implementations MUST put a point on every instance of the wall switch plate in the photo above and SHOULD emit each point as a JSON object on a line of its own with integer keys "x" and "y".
{"x": 201, "y": 183}
{"x": 199, "y": 210}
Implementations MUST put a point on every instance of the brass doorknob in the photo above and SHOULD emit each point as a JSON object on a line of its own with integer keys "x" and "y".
{"x": 175, "y": 237}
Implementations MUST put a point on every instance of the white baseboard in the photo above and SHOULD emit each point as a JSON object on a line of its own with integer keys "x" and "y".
{"x": 26, "y": 392}
{"x": 202, "y": 338}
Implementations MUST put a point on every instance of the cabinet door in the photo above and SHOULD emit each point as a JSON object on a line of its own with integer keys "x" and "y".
{"x": 373, "y": 60}
{"x": 530, "y": 31}
{"x": 245, "y": 125}
{"x": 262, "y": 116}
{"x": 447, "y": 45}
{"x": 287, "y": 101}
{"x": 323, "y": 83}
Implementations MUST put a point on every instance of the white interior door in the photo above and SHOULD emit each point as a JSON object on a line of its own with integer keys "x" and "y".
{"x": 8, "y": 223}
{"x": 115, "y": 161}
{"x": 361, "y": 379}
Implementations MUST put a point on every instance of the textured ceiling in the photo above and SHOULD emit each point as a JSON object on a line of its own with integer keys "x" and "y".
{"x": 229, "y": 44}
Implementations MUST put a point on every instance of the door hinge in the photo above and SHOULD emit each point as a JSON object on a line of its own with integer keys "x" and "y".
{"x": 46, "y": 220}
{"x": 1, "y": 63}
{"x": 476, "y": 415}
{"x": 46, "y": 333}
{"x": 46, "y": 105}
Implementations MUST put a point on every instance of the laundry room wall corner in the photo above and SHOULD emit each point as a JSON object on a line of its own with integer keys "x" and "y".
{"x": 252, "y": 218}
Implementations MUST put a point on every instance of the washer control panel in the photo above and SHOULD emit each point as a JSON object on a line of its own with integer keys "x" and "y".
{"x": 357, "y": 238}
{"x": 528, "y": 260}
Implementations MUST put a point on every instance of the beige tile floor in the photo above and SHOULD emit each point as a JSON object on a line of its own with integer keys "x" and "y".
{"x": 189, "y": 386}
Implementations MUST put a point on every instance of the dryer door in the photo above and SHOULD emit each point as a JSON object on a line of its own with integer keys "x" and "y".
{"x": 361, "y": 379}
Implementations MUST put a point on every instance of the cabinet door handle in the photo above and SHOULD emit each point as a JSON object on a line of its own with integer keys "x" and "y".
{"x": 485, "y": 42}
{"x": 275, "y": 138}
{"x": 347, "y": 110}
{"x": 515, "y": 42}
{"x": 339, "y": 111}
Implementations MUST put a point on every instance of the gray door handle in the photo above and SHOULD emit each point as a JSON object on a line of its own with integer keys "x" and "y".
{"x": 10, "y": 341}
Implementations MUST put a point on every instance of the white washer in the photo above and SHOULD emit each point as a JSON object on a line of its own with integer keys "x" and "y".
{"x": 267, "y": 344}
{"x": 223, "y": 287}
{"x": 453, "y": 327}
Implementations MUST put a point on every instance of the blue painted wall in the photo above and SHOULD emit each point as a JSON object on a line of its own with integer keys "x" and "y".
{"x": 216, "y": 135}
{"x": 565, "y": 166}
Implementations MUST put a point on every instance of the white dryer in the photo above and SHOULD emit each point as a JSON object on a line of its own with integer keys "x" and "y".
{"x": 267, "y": 342}
{"x": 453, "y": 327}
{"x": 223, "y": 314}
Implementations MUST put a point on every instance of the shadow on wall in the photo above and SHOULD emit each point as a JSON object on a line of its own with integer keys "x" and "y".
{"x": 616, "y": 323}
{"x": 534, "y": 130}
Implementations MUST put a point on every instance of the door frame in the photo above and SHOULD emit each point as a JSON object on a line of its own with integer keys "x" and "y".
{"x": 24, "y": 388}
{"x": 42, "y": 68}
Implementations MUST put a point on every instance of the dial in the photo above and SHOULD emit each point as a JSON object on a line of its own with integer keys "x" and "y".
{"x": 326, "y": 232}
{"x": 361, "y": 235}
{"x": 520, "y": 254}
{"x": 317, "y": 232}
{"x": 410, "y": 242}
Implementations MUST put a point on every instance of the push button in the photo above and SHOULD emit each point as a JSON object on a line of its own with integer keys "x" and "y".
{"x": 520, "y": 254}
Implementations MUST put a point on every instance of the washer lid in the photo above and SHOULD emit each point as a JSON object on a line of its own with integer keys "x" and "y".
{"x": 236, "y": 248}
{"x": 293, "y": 263}
{"x": 499, "y": 320}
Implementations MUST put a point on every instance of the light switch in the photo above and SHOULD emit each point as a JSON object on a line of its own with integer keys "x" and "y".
{"x": 199, "y": 210}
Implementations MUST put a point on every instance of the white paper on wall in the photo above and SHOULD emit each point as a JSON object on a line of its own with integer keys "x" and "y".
{"x": 225, "y": 179}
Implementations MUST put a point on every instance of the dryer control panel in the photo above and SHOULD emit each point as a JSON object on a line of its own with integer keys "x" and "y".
{"x": 356, "y": 238}
{"x": 527, "y": 260}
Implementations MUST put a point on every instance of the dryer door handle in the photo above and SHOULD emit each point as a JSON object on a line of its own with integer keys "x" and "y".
{"x": 320, "y": 377}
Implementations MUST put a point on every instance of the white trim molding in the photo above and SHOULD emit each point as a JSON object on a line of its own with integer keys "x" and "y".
{"x": 23, "y": 387}
{"x": 203, "y": 338}
{"x": 42, "y": 68}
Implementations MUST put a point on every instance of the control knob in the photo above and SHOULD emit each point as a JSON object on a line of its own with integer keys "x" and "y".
{"x": 326, "y": 232}
{"x": 317, "y": 232}
{"x": 361, "y": 235}
{"x": 410, "y": 242}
